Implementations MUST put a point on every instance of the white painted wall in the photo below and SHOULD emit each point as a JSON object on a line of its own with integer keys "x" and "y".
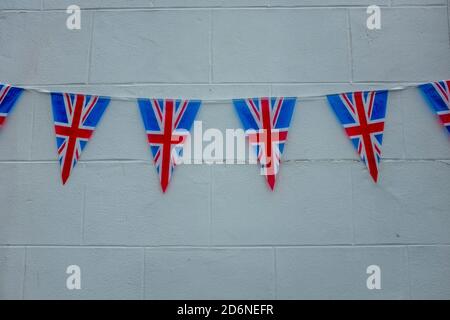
{"x": 219, "y": 232}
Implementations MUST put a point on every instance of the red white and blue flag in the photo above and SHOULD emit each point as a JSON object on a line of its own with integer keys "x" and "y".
{"x": 167, "y": 123}
{"x": 266, "y": 123}
{"x": 362, "y": 114}
{"x": 76, "y": 117}
{"x": 8, "y": 98}
{"x": 438, "y": 97}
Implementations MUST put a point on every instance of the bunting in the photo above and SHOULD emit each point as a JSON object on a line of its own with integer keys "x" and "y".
{"x": 167, "y": 124}
{"x": 438, "y": 96}
{"x": 8, "y": 98}
{"x": 362, "y": 114}
{"x": 76, "y": 116}
{"x": 266, "y": 123}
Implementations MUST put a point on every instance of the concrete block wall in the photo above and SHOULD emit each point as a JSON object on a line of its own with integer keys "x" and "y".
{"x": 219, "y": 232}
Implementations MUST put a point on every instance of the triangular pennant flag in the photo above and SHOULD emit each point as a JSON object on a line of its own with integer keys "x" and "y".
{"x": 167, "y": 123}
{"x": 8, "y": 98}
{"x": 266, "y": 122}
{"x": 438, "y": 97}
{"x": 76, "y": 117}
{"x": 362, "y": 114}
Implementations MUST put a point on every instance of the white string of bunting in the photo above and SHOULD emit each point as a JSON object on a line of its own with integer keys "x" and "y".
{"x": 209, "y": 101}
{"x": 265, "y": 120}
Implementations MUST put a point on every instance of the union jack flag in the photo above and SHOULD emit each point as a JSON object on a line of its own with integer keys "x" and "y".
{"x": 76, "y": 117}
{"x": 8, "y": 98}
{"x": 266, "y": 122}
{"x": 167, "y": 124}
{"x": 362, "y": 114}
{"x": 438, "y": 97}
